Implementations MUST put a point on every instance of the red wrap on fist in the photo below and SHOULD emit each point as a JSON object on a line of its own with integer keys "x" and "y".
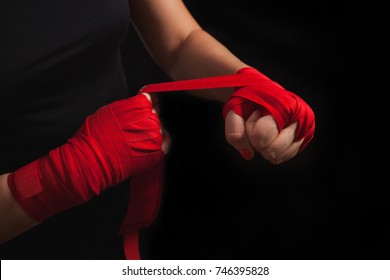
{"x": 271, "y": 98}
{"x": 119, "y": 140}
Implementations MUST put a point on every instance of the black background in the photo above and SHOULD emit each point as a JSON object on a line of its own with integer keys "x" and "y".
{"x": 329, "y": 202}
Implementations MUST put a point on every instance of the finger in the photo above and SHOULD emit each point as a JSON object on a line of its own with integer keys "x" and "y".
{"x": 288, "y": 154}
{"x": 155, "y": 106}
{"x": 147, "y": 96}
{"x": 166, "y": 145}
{"x": 236, "y": 136}
{"x": 152, "y": 97}
{"x": 281, "y": 143}
{"x": 261, "y": 130}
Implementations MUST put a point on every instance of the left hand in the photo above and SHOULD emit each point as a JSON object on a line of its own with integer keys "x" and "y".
{"x": 260, "y": 133}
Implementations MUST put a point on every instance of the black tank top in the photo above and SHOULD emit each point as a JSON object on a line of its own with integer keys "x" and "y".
{"x": 60, "y": 61}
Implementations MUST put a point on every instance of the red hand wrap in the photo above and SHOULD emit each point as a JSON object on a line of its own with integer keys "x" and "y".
{"x": 271, "y": 98}
{"x": 118, "y": 141}
{"x": 256, "y": 91}
{"x": 123, "y": 139}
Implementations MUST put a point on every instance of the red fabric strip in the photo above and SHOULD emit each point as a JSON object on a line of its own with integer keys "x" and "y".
{"x": 226, "y": 81}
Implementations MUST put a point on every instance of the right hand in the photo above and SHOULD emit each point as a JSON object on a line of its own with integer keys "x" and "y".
{"x": 119, "y": 140}
{"x": 166, "y": 144}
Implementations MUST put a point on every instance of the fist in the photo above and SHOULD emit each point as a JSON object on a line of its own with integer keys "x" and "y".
{"x": 260, "y": 134}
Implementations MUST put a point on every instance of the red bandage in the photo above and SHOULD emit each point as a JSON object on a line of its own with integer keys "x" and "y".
{"x": 118, "y": 141}
{"x": 254, "y": 91}
{"x": 271, "y": 98}
{"x": 123, "y": 139}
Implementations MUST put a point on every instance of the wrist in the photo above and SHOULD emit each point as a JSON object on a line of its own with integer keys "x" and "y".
{"x": 3, "y": 181}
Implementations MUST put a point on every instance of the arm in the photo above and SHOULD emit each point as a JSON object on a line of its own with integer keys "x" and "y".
{"x": 184, "y": 50}
{"x": 13, "y": 219}
{"x": 98, "y": 156}
{"x": 179, "y": 45}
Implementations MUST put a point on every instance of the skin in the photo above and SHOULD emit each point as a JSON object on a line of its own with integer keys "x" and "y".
{"x": 183, "y": 50}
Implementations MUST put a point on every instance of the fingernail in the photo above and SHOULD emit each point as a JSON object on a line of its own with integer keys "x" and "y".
{"x": 246, "y": 154}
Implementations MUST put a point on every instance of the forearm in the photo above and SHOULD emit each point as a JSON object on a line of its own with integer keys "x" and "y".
{"x": 201, "y": 55}
{"x": 13, "y": 219}
{"x": 100, "y": 155}
{"x": 179, "y": 45}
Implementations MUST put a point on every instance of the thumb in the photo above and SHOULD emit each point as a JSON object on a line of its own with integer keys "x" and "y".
{"x": 235, "y": 133}
{"x": 167, "y": 141}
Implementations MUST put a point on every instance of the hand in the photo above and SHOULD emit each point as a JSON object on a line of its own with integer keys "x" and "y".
{"x": 266, "y": 118}
{"x": 259, "y": 133}
{"x": 120, "y": 140}
{"x": 166, "y": 144}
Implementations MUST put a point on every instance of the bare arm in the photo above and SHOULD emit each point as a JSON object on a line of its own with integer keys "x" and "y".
{"x": 184, "y": 50}
{"x": 179, "y": 45}
{"x": 13, "y": 220}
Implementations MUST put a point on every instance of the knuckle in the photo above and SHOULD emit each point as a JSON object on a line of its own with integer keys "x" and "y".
{"x": 234, "y": 138}
{"x": 269, "y": 155}
{"x": 261, "y": 142}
